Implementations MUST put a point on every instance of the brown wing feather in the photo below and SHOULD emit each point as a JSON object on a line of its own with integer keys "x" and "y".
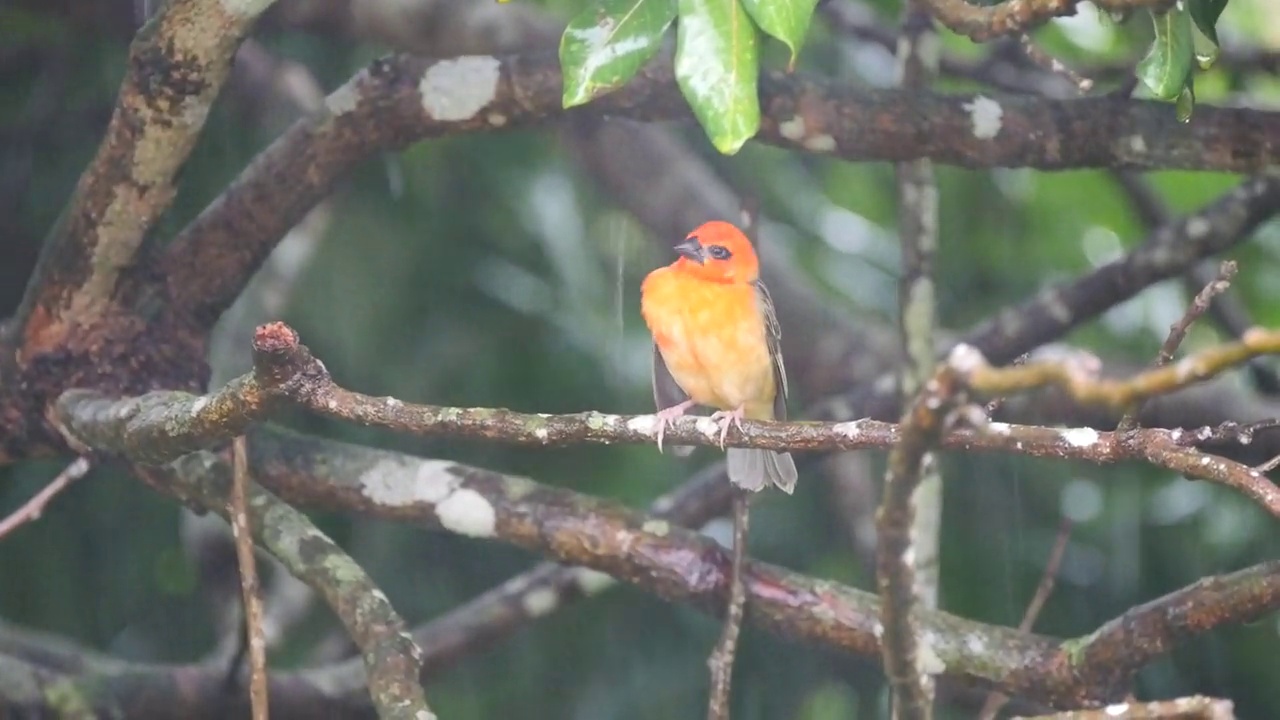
{"x": 773, "y": 335}
{"x": 667, "y": 392}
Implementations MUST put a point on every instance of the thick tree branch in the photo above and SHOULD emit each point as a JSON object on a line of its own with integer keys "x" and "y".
{"x": 682, "y": 566}
{"x": 177, "y": 65}
{"x": 384, "y": 107}
{"x": 195, "y": 692}
{"x": 1017, "y": 16}
{"x": 161, "y": 426}
{"x": 679, "y": 565}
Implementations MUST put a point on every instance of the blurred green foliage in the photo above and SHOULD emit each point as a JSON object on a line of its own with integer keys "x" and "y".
{"x": 488, "y": 271}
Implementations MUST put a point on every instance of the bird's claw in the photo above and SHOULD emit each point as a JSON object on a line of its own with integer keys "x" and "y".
{"x": 666, "y": 415}
{"x": 725, "y": 418}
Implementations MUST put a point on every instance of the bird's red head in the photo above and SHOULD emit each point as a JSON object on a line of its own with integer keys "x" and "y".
{"x": 719, "y": 252}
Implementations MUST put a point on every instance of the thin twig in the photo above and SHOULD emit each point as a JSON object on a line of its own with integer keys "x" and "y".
{"x": 1044, "y": 60}
{"x": 1048, "y": 580}
{"x": 1228, "y": 311}
{"x": 1196, "y": 707}
{"x": 34, "y": 508}
{"x": 161, "y": 426}
{"x": 243, "y": 534}
{"x": 390, "y": 661}
{"x": 994, "y": 404}
{"x": 721, "y": 660}
{"x": 1269, "y": 465}
{"x": 176, "y": 68}
{"x": 1227, "y": 432}
{"x": 1167, "y": 251}
{"x": 1178, "y": 331}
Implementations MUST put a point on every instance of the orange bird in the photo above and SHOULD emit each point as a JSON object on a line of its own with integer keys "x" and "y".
{"x": 716, "y": 343}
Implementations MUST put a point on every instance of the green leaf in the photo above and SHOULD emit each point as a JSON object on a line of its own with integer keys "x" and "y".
{"x": 1205, "y": 13}
{"x": 607, "y": 44}
{"x": 1185, "y": 104}
{"x": 1206, "y": 51}
{"x": 717, "y": 68}
{"x": 786, "y": 20}
{"x": 1167, "y": 66}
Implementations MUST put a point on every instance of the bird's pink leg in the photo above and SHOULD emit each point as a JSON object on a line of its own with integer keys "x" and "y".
{"x": 726, "y": 418}
{"x": 666, "y": 415}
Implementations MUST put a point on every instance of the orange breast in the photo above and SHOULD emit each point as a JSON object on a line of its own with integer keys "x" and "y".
{"x": 712, "y": 337}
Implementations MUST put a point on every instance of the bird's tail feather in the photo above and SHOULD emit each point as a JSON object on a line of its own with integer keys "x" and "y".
{"x": 681, "y": 450}
{"x": 752, "y": 469}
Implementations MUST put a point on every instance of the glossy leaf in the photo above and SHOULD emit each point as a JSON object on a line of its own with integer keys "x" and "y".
{"x": 786, "y": 20}
{"x": 1206, "y": 51}
{"x": 1167, "y": 65}
{"x": 1185, "y": 104}
{"x": 717, "y": 68}
{"x": 1205, "y": 13}
{"x": 607, "y": 44}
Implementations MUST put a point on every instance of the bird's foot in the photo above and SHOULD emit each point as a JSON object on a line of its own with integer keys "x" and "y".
{"x": 725, "y": 418}
{"x": 666, "y": 415}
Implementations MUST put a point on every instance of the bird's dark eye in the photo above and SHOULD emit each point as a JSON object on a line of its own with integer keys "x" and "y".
{"x": 719, "y": 252}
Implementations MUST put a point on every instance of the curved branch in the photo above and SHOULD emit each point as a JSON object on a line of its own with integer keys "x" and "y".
{"x": 1195, "y": 707}
{"x": 161, "y": 426}
{"x": 1168, "y": 251}
{"x": 683, "y": 566}
{"x": 384, "y": 107}
{"x": 392, "y": 660}
{"x": 1017, "y": 16}
{"x": 177, "y": 65}
{"x": 1148, "y": 631}
{"x": 31, "y": 663}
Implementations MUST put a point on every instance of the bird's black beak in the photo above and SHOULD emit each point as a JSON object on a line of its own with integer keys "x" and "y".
{"x": 691, "y": 249}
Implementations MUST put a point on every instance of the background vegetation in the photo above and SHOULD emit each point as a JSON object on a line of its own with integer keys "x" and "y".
{"x": 496, "y": 270}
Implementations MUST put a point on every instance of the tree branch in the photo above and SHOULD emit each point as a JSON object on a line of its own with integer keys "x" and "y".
{"x": 392, "y": 660}
{"x": 1228, "y": 310}
{"x": 384, "y": 108}
{"x": 1178, "y": 331}
{"x": 177, "y": 65}
{"x": 683, "y": 566}
{"x": 1017, "y": 16}
{"x": 161, "y": 426}
{"x": 1168, "y": 251}
{"x": 1196, "y": 707}
{"x": 238, "y": 513}
{"x": 31, "y": 510}
{"x": 89, "y": 682}
{"x": 908, "y": 658}
{"x": 907, "y": 524}
{"x": 679, "y": 565}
